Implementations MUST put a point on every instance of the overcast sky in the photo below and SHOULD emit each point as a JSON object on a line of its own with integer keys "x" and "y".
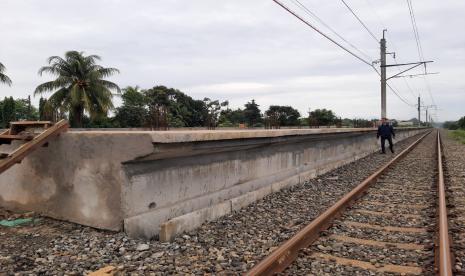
{"x": 245, "y": 49}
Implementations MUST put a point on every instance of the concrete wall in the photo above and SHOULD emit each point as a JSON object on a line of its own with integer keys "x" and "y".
{"x": 175, "y": 179}
{"x": 78, "y": 177}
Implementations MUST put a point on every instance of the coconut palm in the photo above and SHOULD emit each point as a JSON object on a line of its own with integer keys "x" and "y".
{"x": 79, "y": 86}
{"x": 4, "y": 78}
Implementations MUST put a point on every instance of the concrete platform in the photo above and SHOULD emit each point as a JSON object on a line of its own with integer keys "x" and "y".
{"x": 151, "y": 183}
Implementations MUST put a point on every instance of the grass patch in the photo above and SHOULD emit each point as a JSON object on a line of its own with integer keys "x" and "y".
{"x": 458, "y": 135}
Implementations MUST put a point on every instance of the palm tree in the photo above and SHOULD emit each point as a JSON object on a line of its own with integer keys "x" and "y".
{"x": 4, "y": 78}
{"x": 79, "y": 86}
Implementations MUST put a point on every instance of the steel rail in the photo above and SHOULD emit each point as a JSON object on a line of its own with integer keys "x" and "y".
{"x": 444, "y": 255}
{"x": 287, "y": 252}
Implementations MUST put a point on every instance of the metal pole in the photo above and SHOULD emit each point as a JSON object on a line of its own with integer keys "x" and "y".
{"x": 29, "y": 108}
{"x": 419, "y": 115}
{"x": 426, "y": 117}
{"x": 383, "y": 76}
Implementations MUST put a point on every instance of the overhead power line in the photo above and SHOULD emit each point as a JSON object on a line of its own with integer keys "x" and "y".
{"x": 405, "y": 81}
{"x": 393, "y": 89}
{"x": 360, "y": 20}
{"x": 322, "y": 33}
{"x": 419, "y": 47}
{"x": 415, "y": 30}
{"x": 382, "y": 25}
{"x": 316, "y": 17}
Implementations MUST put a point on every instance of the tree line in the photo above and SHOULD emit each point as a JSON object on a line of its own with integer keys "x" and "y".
{"x": 454, "y": 125}
{"x": 81, "y": 94}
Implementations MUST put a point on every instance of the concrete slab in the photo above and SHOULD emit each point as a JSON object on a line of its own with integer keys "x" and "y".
{"x": 190, "y": 221}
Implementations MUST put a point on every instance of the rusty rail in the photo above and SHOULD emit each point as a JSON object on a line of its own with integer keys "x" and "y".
{"x": 444, "y": 256}
{"x": 287, "y": 252}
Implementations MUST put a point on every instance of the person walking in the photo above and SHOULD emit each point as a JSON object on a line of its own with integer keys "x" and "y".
{"x": 386, "y": 132}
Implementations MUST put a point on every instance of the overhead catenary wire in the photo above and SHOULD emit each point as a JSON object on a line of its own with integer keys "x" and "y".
{"x": 419, "y": 47}
{"x": 332, "y": 40}
{"x": 394, "y": 90}
{"x": 322, "y": 33}
{"x": 415, "y": 30}
{"x": 316, "y": 17}
{"x": 405, "y": 81}
{"x": 360, "y": 20}
{"x": 381, "y": 23}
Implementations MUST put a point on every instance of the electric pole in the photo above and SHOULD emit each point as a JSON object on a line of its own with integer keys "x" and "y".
{"x": 29, "y": 108}
{"x": 419, "y": 109}
{"x": 426, "y": 116}
{"x": 383, "y": 76}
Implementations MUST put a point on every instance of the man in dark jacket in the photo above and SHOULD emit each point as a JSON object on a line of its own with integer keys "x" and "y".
{"x": 386, "y": 132}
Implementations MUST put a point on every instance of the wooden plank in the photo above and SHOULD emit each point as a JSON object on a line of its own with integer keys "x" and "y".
{"x": 38, "y": 141}
{"x": 6, "y": 139}
{"x": 17, "y": 127}
{"x": 31, "y": 123}
{"x": 16, "y": 137}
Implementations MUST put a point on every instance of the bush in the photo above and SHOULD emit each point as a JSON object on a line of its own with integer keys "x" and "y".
{"x": 458, "y": 135}
{"x": 451, "y": 125}
{"x": 461, "y": 123}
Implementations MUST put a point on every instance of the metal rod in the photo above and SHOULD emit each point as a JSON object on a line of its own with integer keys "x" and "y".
{"x": 410, "y": 63}
{"x": 416, "y": 75}
{"x": 410, "y": 68}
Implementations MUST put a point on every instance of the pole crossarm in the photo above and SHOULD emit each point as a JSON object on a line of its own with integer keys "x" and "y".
{"x": 400, "y": 73}
{"x": 415, "y": 65}
{"x": 410, "y": 63}
{"x": 415, "y": 75}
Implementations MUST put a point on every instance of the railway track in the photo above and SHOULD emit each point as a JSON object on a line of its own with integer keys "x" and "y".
{"x": 393, "y": 223}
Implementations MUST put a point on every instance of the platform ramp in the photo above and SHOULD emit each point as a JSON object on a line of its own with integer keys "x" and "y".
{"x": 34, "y": 134}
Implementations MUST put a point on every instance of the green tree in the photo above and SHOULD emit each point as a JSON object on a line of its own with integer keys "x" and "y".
{"x": 451, "y": 125}
{"x": 162, "y": 110}
{"x": 283, "y": 115}
{"x": 79, "y": 86}
{"x": 252, "y": 113}
{"x": 322, "y": 117}
{"x": 42, "y": 109}
{"x": 24, "y": 110}
{"x": 213, "y": 111}
{"x": 181, "y": 110}
{"x": 360, "y": 123}
{"x": 230, "y": 118}
{"x": 48, "y": 112}
{"x": 4, "y": 78}
{"x": 461, "y": 123}
{"x": 8, "y": 111}
{"x": 133, "y": 112}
